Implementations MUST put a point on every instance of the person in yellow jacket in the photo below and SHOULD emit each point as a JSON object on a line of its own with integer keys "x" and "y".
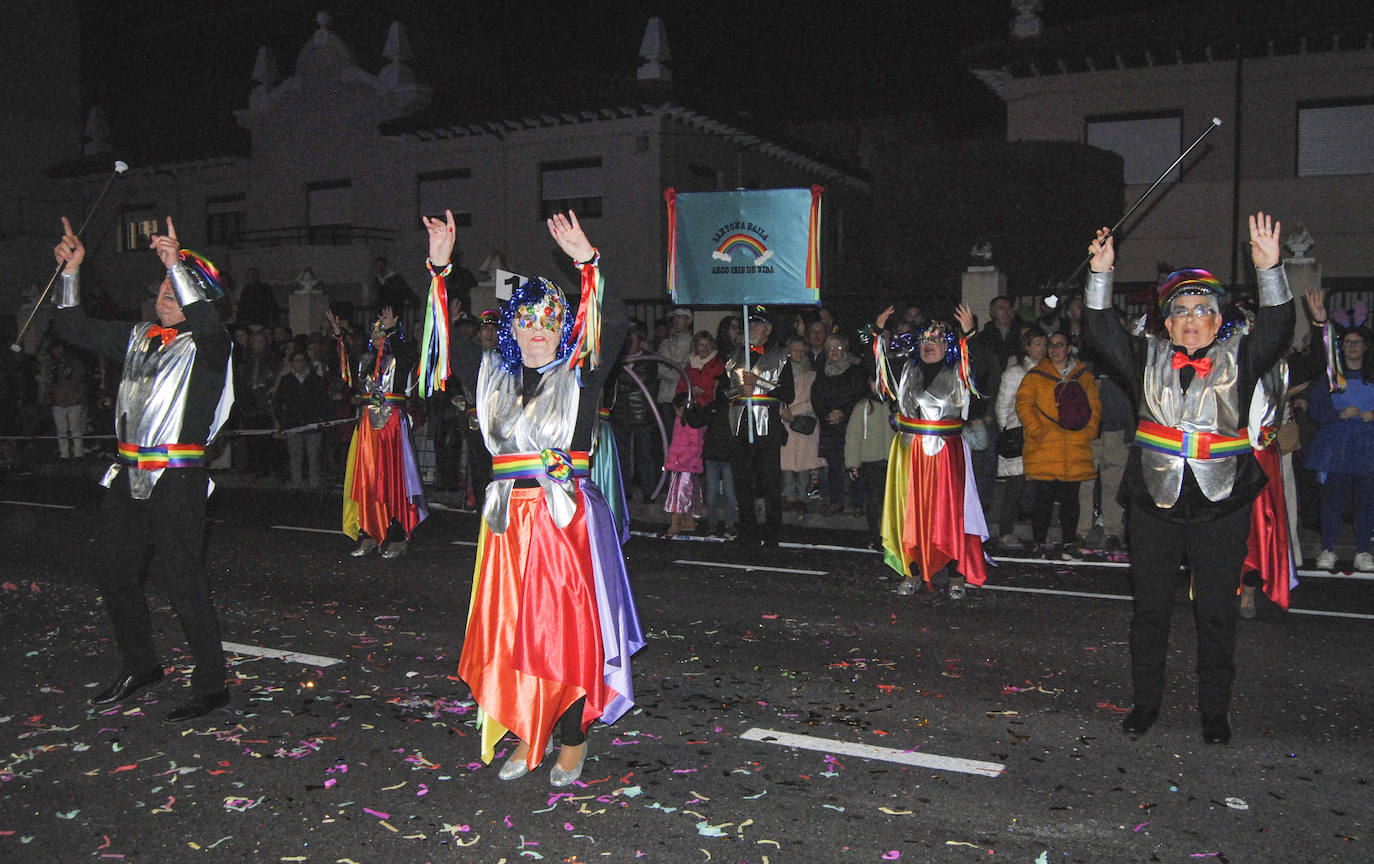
{"x": 1059, "y": 406}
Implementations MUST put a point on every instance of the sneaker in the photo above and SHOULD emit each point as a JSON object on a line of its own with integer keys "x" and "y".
{"x": 731, "y": 532}
{"x": 1364, "y": 562}
{"x": 1326, "y": 560}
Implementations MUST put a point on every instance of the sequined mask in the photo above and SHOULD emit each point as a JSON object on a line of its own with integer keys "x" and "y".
{"x": 548, "y": 314}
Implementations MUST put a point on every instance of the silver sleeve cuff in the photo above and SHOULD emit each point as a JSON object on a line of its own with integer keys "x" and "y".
{"x": 1274, "y": 289}
{"x": 1097, "y": 293}
{"x": 68, "y": 290}
{"x": 188, "y": 290}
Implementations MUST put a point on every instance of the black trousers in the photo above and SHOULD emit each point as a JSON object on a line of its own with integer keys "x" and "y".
{"x": 1044, "y": 495}
{"x": 757, "y": 469}
{"x": 873, "y": 476}
{"x": 162, "y": 536}
{"x": 1215, "y": 552}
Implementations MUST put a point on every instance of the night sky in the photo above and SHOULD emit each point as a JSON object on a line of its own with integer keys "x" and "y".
{"x": 192, "y": 63}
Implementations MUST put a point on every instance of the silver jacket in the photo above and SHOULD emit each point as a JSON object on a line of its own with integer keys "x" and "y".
{"x": 546, "y": 421}
{"x": 151, "y": 401}
{"x": 768, "y": 366}
{"x": 375, "y": 385}
{"x": 1211, "y": 403}
{"x": 944, "y": 397}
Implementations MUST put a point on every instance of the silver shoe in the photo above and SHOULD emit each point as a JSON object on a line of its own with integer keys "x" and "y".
{"x": 394, "y": 549}
{"x": 558, "y": 778}
{"x": 907, "y": 588}
{"x": 366, "y": 547}
{"x": 516, "y": 768}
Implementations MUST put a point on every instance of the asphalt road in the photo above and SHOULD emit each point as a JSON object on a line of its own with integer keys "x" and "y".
{"x": 985, "y": 730}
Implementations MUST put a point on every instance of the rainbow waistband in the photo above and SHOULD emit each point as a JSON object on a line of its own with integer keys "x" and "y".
{"x": 390, "y": 397}
{"x": 165, "y": 456}
{"x": 756, "y": 399}
{"x": 604, "y": 413}
{"x": 559, "y": 465}
{"x": 917, "y": 426}
{"x": 1189, "y": 445}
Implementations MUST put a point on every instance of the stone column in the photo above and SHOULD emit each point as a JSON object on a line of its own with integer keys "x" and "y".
{"x": 979, "y": 284}
{"x": 1303, "y": 273}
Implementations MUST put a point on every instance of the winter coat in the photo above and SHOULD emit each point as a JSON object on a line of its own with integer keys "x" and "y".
{"x": 1006, "y": 413}
{"x": 684, "y": 453}
{"x": 869, "y": 435}
{"x": 630, "y": 408}
{"x": 720, "y": 440}
{"x": 836, "y": 392}
{"x": 702, "y": 380}
{"x": 800, "y": 453}
{"x": 1052, "y": 452}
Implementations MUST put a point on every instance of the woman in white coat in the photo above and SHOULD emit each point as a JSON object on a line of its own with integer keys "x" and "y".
{"x": 1033, "y": 344}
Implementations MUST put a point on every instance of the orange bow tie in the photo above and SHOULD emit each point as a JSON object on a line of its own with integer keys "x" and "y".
{"x": 1203, "y": 365}
{"x": 167, "y": 333}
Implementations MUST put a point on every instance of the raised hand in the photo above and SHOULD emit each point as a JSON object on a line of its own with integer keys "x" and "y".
{"x": 388, "y": 318}
{"x": 1102, "y": 250}
{"x": 440, "y": 238}
{"x": 167, "y": 246}
{"x": 883, "y": 316}
{"x": 570, "y": 237}
{"x": 69, "y": 250}
{"x": 334, "y": 322}
{"x": 1264, "y": 240}
{"x": 963, "y": 314}
{"x": 1316, "y": 304}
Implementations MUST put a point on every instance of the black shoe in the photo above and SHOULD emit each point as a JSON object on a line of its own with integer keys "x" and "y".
{"x": 1139, "y": 721}
{"x": 198, "y": 706}
{"x": 126, "y": 686}
{"x": 1215, "y": 729}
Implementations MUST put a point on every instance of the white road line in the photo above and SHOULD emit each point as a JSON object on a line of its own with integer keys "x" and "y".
{"x": 1327, "y": 614}
{"x": 308, "y": 530}
{"x": 1072, "y": 562}
{"x": 288, "y": 656}
{"x": 1057, "y": 591}
{"x": 39, "y": 504}
{"x": 752, "y": 567}
{"x": 1324, "y": 574}
{"x": 462, "y": 542}
{"x": 883, "y": 754}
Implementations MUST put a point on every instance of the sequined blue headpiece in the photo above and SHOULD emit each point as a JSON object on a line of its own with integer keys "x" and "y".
{"x": 532, "y": 292}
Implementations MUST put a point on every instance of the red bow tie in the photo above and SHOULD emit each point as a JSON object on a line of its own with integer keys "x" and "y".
{"x": 1203, "y": 365}
{"x": 167, "y": 333}
{"x": 756, "y": 349}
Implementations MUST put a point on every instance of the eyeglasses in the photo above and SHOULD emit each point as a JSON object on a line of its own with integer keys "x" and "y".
{"x": 1059, "y": 344}
{"x": 834, "y": 347}
{"x": 1200, "y": 311}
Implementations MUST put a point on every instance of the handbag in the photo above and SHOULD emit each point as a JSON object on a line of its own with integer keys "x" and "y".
{"x": 975, "y": 436}
{"x": 1010, "y": 441}
{"x": 803, "y": 424}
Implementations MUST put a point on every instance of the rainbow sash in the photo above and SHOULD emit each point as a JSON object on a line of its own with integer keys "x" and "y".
{"x": 1189, "y": 445}
{"x": 165, "y": 456}
{"x": 559, "y": 465}
{"x": 917, "y": 426}
{"x": 756, "y": 399}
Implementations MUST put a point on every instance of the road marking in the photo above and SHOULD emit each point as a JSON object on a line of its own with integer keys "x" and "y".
{"x": 1324, "y": 574}
{"x": 288, "y": 656}
{"x": 1058, "y": 591}
{"x": 462, "y": 542}
{"x": 883, "y": 754}
{"x": 1072, "y": 562}
{"x": 1327, "y": 614}
{"x": 309, "y": 530}
{"x": 752, "y": 567}
{"x": 39, "y": 504}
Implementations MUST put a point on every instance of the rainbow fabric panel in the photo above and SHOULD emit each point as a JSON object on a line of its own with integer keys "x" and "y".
{"x": 1189, "y": 445}
{"x": 917, "y": 426}
{"x": 164, "y": 456}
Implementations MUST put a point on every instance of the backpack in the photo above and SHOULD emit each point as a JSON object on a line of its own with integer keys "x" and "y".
{"x": 1072, "y": 400}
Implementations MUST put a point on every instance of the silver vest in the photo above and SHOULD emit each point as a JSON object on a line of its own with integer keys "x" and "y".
{"x": 768, "y": 366}
{"x": 1211, "y": 404}
{"x": 375, "y": 385}
{"x": 546, "y": 421}
{"x": 945, "y": 397}
{"x": 151, "y": 401}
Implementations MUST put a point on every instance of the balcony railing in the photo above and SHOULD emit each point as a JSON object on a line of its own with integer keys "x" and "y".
{"x": 313, "y": 235}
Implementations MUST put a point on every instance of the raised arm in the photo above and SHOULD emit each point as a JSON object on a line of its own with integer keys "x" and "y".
{"x": 109, "y": 339}
{"x": 1102, "y": 330}
{"x": 1277, "y": 313}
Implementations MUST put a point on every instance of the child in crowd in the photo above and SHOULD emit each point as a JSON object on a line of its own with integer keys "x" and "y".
{"x": 684, "y": 466}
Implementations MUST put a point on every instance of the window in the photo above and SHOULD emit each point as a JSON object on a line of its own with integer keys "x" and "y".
{"x": 1144, "y": 141}
{"x": 437, "y": 191}
{"x": 140, "y": 224}
{"x": 571, "y": 184}
{"x": 329, "y": 211}
{"x": 224, "y": 219}
{"x": 1335, "y": 139}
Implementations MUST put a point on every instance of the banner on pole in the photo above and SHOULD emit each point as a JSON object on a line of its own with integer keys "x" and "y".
{"x": 744, "y": 246}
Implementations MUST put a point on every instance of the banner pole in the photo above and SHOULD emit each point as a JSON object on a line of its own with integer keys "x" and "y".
{"x": 748, "y": 402}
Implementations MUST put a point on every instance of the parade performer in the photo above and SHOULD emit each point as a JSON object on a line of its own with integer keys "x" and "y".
{"x": 174, "y": 395}
{"x": 1191, "y": 476}
{"x": 932, "y": 515}
{"x": 382, "y": 478}
{"x": 1269, "y": 559}
{"x": 552, "y": 624}
{"x": 756, "y": 391}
